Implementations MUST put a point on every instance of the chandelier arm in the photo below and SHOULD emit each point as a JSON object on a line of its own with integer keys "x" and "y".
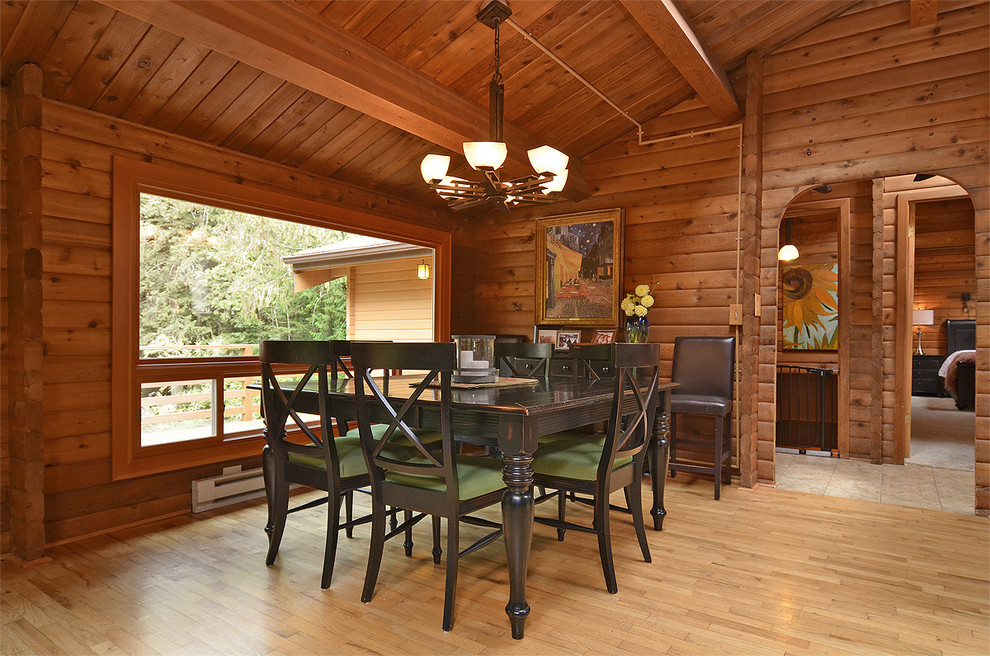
{"x": 487, "y": 157}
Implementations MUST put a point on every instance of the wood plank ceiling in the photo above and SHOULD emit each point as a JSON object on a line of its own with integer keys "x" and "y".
{"x": 359, "y": 91}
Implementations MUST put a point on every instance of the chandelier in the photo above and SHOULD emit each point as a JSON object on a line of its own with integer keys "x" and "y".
{"x": 487, "y": 157}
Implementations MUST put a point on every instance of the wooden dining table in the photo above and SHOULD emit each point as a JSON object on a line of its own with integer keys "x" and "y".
{"x": 512, "y": 417}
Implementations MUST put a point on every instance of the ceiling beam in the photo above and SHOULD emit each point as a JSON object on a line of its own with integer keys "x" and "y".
{"x": 924, "y": 12}
{"x": 672, "y": 32}
{"x": 288, "y": 41}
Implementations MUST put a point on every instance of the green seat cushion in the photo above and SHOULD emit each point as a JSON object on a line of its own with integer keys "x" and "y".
{"x": 429, "y": 438}
{"x": 476, "y": 475}
{"x": 348, "y": 451}
{"x": 575, "y": 458}
{"x": 568, "y": 435}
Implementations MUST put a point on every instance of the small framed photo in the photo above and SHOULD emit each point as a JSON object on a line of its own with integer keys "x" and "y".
{"x": 546, "y": 336}
{"x": 567, "y": 338}
{"x": 604, "y": 336}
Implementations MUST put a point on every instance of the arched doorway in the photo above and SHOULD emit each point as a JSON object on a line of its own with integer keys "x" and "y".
{"x": 879, "y": 336}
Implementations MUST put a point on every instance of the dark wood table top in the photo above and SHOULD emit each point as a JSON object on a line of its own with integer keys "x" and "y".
{"x": 547, "y": 395}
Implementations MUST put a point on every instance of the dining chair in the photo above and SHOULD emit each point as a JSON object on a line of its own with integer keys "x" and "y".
{"x": 296, "y": 453}
{"x": 405, "y": 472}
{"x": 593, "y": 361}
{"x": 705, "y": 368}
{"x": 589, "y": 470}
{"x": 518, "y": 360}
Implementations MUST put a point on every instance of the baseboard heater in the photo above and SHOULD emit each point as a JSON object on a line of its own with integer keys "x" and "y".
{"x": 233, "y": 486}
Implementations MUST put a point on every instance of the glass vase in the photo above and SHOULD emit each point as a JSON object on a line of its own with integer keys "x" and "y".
{"x": 637, "y": 329}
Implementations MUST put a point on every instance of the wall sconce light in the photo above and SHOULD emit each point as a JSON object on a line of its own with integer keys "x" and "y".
{"x": 788, "y": 251}
{"x": 965, "y": 299}
{"x": 922, "y": 318}
{"x": 423, "y": 271}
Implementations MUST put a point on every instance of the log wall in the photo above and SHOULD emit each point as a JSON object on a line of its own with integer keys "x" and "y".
{"x": 944, "y": 266}
{"x": 77, "y": 150}
{"x": 5, "y": 538}
{"x": 860, "y": 98}
{"x": 846, "y": 104}
{"x": 680, "y": 200}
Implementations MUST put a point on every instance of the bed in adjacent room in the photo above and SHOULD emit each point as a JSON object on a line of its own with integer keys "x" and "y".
{"x": 958, "y": 371}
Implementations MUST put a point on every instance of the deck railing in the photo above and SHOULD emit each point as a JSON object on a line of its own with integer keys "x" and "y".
{"x": 174, "y": 411}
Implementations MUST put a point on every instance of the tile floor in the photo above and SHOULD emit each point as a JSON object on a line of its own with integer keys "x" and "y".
{"x": 907, "y": 485}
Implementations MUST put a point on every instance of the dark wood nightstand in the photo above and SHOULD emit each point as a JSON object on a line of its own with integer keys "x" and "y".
{"x": 924, "y": 375}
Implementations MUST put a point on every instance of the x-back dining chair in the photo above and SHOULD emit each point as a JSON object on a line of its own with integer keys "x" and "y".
{"x": 407, "y": 473}
{"x": 596, "y": 466}
{"x": 519, "y": 360}
{"x": 296, "y": 453}
{"x": 593, "y": 361}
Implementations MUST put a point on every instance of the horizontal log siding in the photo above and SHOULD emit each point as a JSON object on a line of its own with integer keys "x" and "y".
{"x": 680, "y": 201}
{"x": 5, "y": 539}
{"x": 844, "y": 103}
{"x": 77, "y": 149}
{"x": 944, "y": 265}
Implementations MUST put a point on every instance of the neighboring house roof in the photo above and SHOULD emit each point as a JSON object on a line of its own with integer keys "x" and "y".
{"x": 357, "y": 250}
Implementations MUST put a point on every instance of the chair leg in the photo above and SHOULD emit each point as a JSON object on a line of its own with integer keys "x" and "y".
{"x": 672, "y": 443}
{"x": 408, "y": 542}
{"x": 561, "y": 512}
{"x": 349, "y": 497}
{"x": 719, "y": 425}
{"x": 605, "y": 540}
{"x": 333, "y": 528}
{"x": 634, "y": 501}
{"x": 375, "y": 550}
{"x": 437, "y": 551}
{"x": 277, "y": 494}
{"x": 453, "y": 548}
{"x": 727, "y": 430}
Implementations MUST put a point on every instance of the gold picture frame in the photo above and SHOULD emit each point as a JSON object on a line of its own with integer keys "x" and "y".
{"x": 579, "y": 268}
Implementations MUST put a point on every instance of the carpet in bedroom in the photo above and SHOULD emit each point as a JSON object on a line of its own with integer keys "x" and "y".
{"x": 941, "y": 435}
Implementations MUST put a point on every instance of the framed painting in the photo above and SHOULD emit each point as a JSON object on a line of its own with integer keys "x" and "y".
{"x": 578, "y": 268}
{"x": 546, "y": 336}
{"x": 604, "y": 336}
{"x": 567, "y": 338}
{"x": 810, "y": 307}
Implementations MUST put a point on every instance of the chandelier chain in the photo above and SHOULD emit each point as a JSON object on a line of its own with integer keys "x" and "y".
{"x": 497, "y": 76}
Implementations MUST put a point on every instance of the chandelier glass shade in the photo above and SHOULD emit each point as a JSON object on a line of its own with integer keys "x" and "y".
{"x": 487, "y": 157}
{"x": 788, "y": 251}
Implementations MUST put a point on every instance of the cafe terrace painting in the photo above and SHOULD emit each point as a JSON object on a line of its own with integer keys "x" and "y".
{"x": 579, "y": 279}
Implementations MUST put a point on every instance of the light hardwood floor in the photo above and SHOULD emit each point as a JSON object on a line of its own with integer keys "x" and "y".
{"x": 760, "y": 572}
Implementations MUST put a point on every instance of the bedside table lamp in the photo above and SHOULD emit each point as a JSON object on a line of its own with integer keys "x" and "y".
{"x": 923, "y": 318}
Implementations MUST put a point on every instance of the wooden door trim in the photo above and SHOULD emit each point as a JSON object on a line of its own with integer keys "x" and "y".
{"x": 903, "y": 302}
{"x": 842, "y": 208}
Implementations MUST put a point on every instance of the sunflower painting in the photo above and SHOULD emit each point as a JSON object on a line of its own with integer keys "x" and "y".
{"x": 811, "y": 307}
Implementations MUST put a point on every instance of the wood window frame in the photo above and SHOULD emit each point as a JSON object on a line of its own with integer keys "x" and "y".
{"x": 131, "y": 178}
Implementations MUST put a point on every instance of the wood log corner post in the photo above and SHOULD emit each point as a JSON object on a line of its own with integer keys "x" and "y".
{"x": 750, "y": 449}
{"x": 25, "y": 408}
{"x": 877, "y": 332}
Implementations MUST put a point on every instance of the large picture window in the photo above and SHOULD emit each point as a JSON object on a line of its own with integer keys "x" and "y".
{"x": 199, "y": 279}
{"x": 212, "y": 285}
